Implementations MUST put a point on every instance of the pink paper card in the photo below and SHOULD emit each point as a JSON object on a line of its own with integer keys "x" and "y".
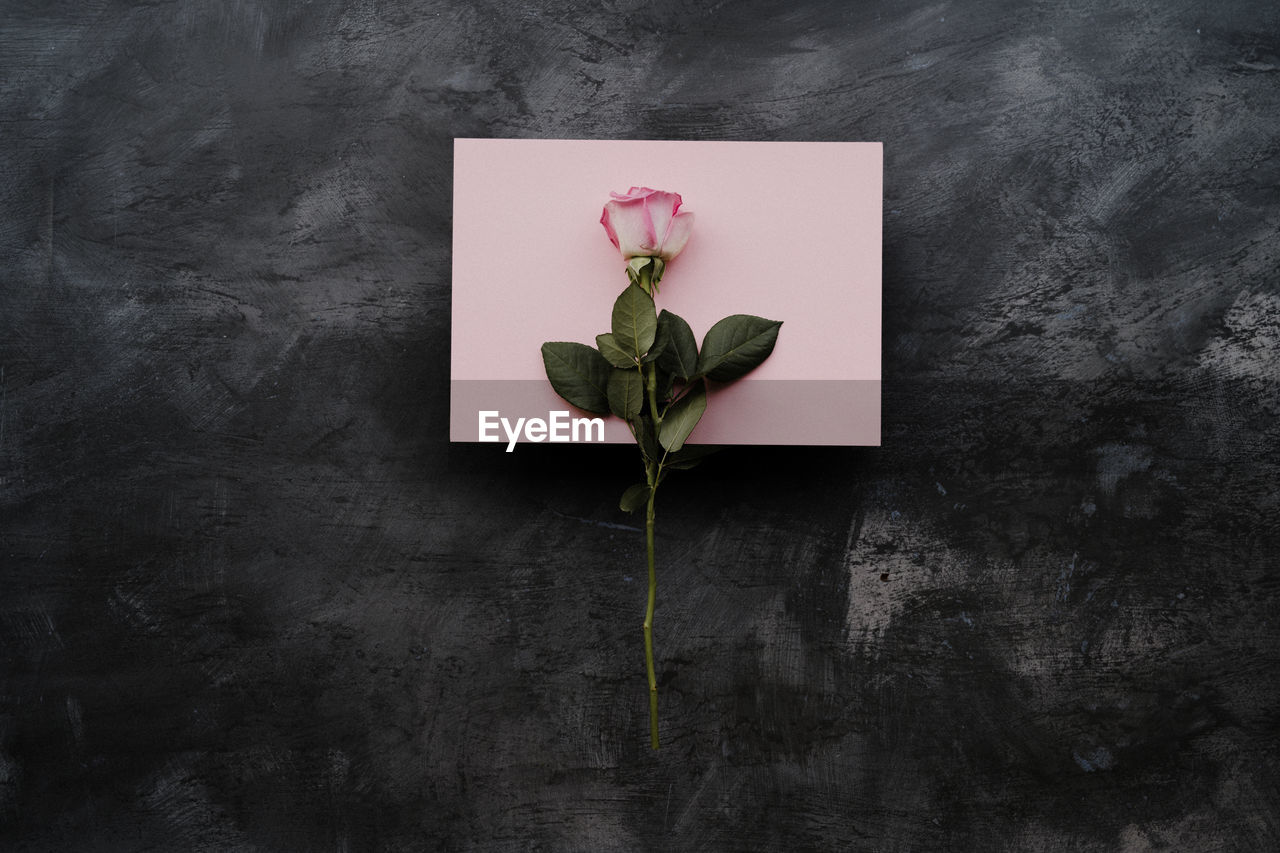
{"x": 790, "y": 231}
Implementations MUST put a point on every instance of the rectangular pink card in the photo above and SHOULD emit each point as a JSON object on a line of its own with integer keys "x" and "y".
{"x": 790, "y": 231}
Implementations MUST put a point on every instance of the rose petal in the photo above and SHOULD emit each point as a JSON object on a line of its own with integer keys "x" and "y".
{"x": 608, "y": 226}
{"x": 631, "y": 226}
{"x": 677, "y": 235}
{"x": 633, "y": 194}
{"x": 661, "y": 206}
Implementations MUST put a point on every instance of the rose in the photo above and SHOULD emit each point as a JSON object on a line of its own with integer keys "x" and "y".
{"x": 647, "y": 223}
{"x": 648, "y": 369}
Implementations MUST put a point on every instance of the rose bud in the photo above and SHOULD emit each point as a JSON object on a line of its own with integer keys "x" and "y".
{"x": 647, "y": 223}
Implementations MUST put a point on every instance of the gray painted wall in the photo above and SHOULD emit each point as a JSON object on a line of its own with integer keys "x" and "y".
{"x": 252, "y": 599}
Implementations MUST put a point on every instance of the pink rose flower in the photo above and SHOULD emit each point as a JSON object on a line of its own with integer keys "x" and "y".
{"x": 647, "y": 223}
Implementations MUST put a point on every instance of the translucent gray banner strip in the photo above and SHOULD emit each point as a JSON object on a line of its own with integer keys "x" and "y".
{"x": 780, "y": 411}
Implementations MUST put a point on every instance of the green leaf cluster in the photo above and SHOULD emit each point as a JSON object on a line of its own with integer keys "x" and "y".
{"x": 649, "y": 370}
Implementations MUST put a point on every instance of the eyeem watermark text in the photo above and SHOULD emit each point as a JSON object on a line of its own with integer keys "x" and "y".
{"x": 558, "y": 427}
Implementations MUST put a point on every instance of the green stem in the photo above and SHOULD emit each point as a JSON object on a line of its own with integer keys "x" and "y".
{"x": 648, "y": 614}
{"x": 653, "y": 472}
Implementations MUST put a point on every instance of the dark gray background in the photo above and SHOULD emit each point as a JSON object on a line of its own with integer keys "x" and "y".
{"x": 254, "y": 600}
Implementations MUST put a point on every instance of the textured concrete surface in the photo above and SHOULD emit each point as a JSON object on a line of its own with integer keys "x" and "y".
{"x": 252, "y": 599}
